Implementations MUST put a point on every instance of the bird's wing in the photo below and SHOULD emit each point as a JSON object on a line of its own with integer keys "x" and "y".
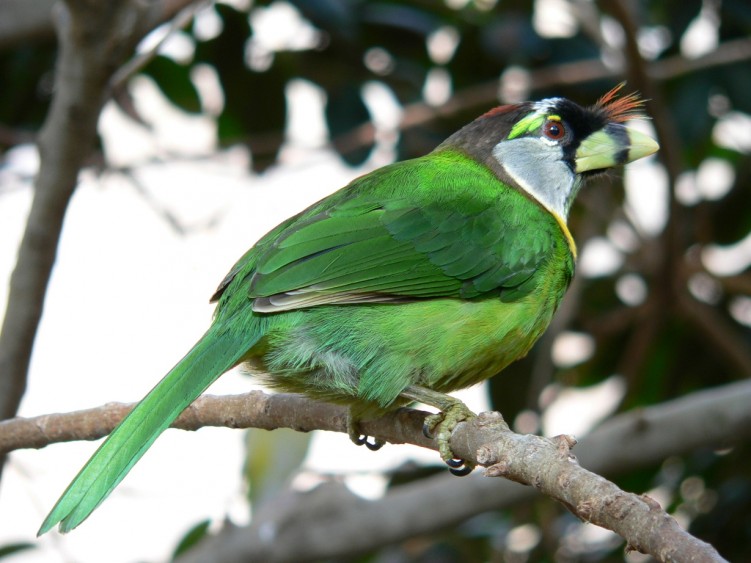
{"x": 394, "y": 250}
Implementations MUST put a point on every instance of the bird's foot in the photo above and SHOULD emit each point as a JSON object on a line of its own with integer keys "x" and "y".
{"x": 440, "y": 426}
{"x": 360, "y": 439}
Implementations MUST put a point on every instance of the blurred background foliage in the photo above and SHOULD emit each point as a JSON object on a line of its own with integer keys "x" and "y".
{"x": 663, "y": 304}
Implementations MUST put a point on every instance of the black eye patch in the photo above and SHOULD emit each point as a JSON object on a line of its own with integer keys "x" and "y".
{"x": 580, "y": 120}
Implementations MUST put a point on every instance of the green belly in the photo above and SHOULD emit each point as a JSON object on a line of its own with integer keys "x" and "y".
{"x": 355, "y": 353}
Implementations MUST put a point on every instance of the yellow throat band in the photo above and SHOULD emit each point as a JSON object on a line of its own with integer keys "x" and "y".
{"x": 566, "y": 233}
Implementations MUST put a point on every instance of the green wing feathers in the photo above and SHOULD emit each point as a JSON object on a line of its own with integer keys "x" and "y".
{"x": 377, "y": 247}
{"x": 432, "y": 227}
{"x": 215, "y": 353}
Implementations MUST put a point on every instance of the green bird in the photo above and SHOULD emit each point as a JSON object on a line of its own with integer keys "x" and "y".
{"x": 417, "y": 279}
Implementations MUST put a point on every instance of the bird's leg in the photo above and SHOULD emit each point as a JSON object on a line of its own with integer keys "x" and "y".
{"x": 442, "y": 424}
{"x": 358, "y": 438}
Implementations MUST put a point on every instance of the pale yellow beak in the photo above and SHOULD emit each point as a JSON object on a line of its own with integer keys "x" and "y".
{"x": 613, "y": 145}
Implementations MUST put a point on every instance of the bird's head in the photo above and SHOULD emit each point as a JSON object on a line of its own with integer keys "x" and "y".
{"x": 547, "y": 148}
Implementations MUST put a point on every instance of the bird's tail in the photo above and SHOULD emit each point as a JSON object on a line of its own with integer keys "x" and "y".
{"x": 218, "y": 351}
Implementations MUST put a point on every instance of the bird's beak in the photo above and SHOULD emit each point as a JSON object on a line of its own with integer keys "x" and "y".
{"x": 612, "y": 145}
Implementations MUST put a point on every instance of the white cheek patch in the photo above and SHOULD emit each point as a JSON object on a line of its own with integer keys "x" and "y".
{"x": 549, "y": 142}
{"x": 537, "y": 167}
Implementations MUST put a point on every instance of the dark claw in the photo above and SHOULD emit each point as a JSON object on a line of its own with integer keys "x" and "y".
{"x": 455, "y": 463}
{"x": 360, "y": 441}
{"x": 426, "y": 432}
{"x": 373, "y": 446}
{"x": 466, "y": 470}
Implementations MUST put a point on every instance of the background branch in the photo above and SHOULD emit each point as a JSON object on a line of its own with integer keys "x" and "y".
{"x": 21, "y": 21}
{"x": 94, "y": 40}
{"x": 578, "y": 72}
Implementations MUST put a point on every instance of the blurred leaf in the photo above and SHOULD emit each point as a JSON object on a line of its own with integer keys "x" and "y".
{"x": 509, "y": 390}
{"x": 26, "y": 74}
{"x": 736, "y": 80}
{"x": 730, "y": 217}
{"x": 676, "y": 15}
{"x": 14, "y": 548}
{"x": 337, "y": 17}
{"x": 345, "y": 110}
{"x": 191, "y": 538}
{"x": 735, "y": 18}
{"x": 689, "y": 99}
{"x": 273, "y": 458}
{"x": 174, "y": 81}
{"x": 254, "y": 102}
{"x": 723, "y": 509}
{"x": 396, "y": 18}
{"x": 512, "y": 39}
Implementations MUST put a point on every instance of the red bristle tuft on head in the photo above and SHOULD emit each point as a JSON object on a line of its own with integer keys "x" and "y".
{"x": 620, "y": 109}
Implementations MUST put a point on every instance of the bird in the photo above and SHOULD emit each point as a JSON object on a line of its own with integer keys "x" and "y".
{"x": 415, "y": 280}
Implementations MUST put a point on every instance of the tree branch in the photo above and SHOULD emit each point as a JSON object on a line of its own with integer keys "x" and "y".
{"x": 643, "y": 436}
{"x": 721, "y": 334}
{"x": 549, "y": 466}
{"x": 22, "y": 21}
{"x": 249, "y": 410}
{"x": 334, "y": 526}
{"x": 635, "y": 439}
{"x": 94, "y": 39}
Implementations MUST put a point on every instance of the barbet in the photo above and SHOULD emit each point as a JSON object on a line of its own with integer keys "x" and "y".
{"x": 417, "y": 279}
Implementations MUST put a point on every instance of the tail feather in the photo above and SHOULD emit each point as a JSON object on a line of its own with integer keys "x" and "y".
{"x": 214, "y": 354}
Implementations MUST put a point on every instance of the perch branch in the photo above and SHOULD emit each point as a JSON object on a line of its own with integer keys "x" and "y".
{"x": 634, "y": 439}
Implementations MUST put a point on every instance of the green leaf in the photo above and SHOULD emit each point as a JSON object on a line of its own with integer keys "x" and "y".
{"x": 26, "y": 77}
{"x": 255, "y": 104}
{"x": 174, "y": 81}
{"x": 336, "y": 17}
{"x": 272, "y": 459}
{"x": 346, "y": 110}
{"x": 13, "y": 548}
{"x": 191, "y": 538}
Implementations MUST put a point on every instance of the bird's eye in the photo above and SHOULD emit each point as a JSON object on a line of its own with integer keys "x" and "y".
{"x": 554, "y": 130}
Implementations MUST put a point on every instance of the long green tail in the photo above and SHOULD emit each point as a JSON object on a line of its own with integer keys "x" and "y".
{"x": 215, "y": 353}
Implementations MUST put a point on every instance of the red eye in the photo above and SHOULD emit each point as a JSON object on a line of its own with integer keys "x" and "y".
{"x": 554, "y": 130}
